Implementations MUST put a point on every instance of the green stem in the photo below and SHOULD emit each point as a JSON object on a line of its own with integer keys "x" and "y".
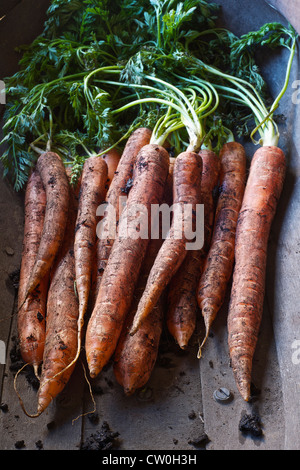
{"x": 148, "y": 100}
{"x": 183, "y": 97}
{"x": 287, "y": 76}
{"x": 158, "y": 26}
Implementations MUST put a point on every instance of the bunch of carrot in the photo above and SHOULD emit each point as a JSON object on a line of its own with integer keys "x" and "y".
{"x": 133, "y": 284}
{"x": 84, "y": 288}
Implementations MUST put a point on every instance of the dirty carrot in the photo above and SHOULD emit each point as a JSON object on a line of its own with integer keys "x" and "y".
{"x": 54, "y": 178}
{"x": 62, "y": 317}
{"x": 121, "y": 274}
{"x": 92, "y": 193}
{"x": 182, "y": 309}
{"x": 31, "y": 314}
{"x": 186, "y": 191}
{"x": 112, "y": 159}
{"x": 262, "y": 193}
{"x": 135, "y": 356}
{"x": 119, "y": 186}
{"x": 220, "y": 259}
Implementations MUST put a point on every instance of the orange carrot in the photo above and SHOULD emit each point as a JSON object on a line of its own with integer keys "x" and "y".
{"x": 120, "y": 186}
{"x": 182, "y": 297}
{"x": 124, "y": 263}
{"x": 263, "y": 190}
{"x": 55, "y": 181}
{"x": 112, "y": 159}
{"x": 219, "y": 262}
{"x": 135, "y": 356}
{"x": 32, "y": 312}
{"x": 187, "y": 190}
{"x": 62, "y": 317}
{"x": 92, "y": 193}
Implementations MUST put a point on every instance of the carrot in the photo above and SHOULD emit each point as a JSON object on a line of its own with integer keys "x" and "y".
{"x": 219, "y": 262}
{"x": 112, "y": 159}
{"x": 168, "y": 193}
{"x": 124, "y": 263}
{"x": 182, "y": 297}
{"x": 262, "y": 193}
{"x": 62, "y": 317}
{"x": 92, "y": 193}
{"x": 187, "y": 190}
{"x": 119, "y": 187}
{"x": 32, "y": 312}
{"x": 135, "y": 356}
{"x": 56, "y": 185}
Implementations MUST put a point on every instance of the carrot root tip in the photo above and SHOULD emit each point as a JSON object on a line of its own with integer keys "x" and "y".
{"x": 93, "y": 371}
{"x": 91, "y": 394}
{"x": 36, "y": 371}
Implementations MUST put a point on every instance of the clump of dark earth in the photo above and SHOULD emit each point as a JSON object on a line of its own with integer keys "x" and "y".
{"x": 93, "y": 418}
{"x": 128, "y": 186}
{"x": 251, "y": 425}
{"x": 39, "y": 444}
{"x": 104, "y": 439}
{"x": 192, "y": 415}
{"x": 19, "y": 444}
{"x": 200, "y": 441}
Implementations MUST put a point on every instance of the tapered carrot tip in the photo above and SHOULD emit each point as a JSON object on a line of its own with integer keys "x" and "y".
{"x": 94, "y": 365}
{"x": 128, "y": 390}
{"x": 93, "y": 371}
{"x": 36, "y": 370}
{"x": 208, "y": 316}
{"x": 43, "y": 403}
{"x": 182, "y": 341}
{"x": 242, "y": 366}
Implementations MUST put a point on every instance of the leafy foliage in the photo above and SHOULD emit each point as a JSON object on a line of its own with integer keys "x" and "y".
{"x": 71, "y": 78}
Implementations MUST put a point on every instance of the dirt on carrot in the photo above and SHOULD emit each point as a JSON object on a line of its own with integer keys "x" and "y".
{"x": 31, "y": 314}
{"x": 220, "y": 259}
{"x": 186, "y": 191}
{"x": 112, "y": 159}
{"x": 62, "y": 316}
{"x": 182, "y": 312}
{"x": 129, "y": 248}
{"x": 55, "y": 182}
{"x": 135, "y": 356}
{"x": 120, "y": 186}
{"x": 92, "y": 194}
{"x": 262, "y": 193}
